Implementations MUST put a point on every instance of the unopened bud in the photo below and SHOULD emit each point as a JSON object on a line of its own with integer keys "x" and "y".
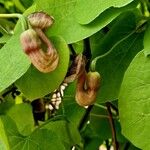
{"x": 40, "y": 20}
{"x": 93, "y": 81}
{"x": 30, "y": 41}
{"x": 87, "y": 87}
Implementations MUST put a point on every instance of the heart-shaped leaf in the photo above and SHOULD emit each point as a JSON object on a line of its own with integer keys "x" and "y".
{"x": 134, "y": 102}
{"x": 120, "y": 51}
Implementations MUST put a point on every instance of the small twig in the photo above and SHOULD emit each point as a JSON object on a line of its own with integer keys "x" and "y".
{"x": 87, "y": 53}
{"x": 102, "y": 116}
{"x": 85, "y": 117}
{"x": 114, "y": 138}
{"x": 114, "y": 108}
{"x": 107, "y": 144}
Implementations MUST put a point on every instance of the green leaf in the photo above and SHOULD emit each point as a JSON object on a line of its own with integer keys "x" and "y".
{"x": 147, "y": 41}
{"x": 59, "y": 126}
{"x": 6, "y": 104}
{"x": 65, "y": 23}
{"x": 91, "y": 139}
{"x": 14, "y": 62}
{"x": 4, "y": 145}
{"x": 22, "y": 115}
{"x": 87, "y": 10}
{"x": 121, "y": 27}
{"x": 34, "y": 84}
{"x": 134, "y": 102}
{"x": 39, "y": 139}
{"x": 114, "y": 62}
{"x": 73, "y": 111}
{"x": 66, "y": 131}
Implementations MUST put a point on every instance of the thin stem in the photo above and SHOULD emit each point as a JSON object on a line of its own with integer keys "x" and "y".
{"x": 87, "y": 53}
{"x": 114, "y": 108}
{"x": 114, "y": 138}
{"x": 93, "y": 63}
{"x": 16, "y": 15}
{"x": 102, "y": 116}
{"x": 100, "y": 106}
{"x": 85, "y": 117}
{"x": 115, "y": 112}
{"x": 3, "y": 30}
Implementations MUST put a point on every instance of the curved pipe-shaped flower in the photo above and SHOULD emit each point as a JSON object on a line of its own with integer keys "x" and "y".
{"x": 43, "y": 61}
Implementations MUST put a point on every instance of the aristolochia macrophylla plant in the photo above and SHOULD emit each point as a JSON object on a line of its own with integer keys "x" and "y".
{"x": 32, "y": 40}
{"x": 88, "y": 86}
{"x": 87, "y": 83}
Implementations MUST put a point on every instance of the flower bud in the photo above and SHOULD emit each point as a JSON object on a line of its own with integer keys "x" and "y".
{"x": 40, "y": 20}
{"x": 30, "y": 41}
{"x": 87, "y": 87}
{"x": 93, "y": 81}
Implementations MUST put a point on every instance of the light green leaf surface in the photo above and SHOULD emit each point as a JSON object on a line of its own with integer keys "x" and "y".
{"x": 87, "y": 10}
{"x": 23, "y": 117}
{"x": 35, "y": 84}
{"x": 134, "y": 102}
{"x": 13, "y": 62}
{"x": 114, "y": 63}
{"x": 4, "y": 145}
{"x": 66, "y": 25}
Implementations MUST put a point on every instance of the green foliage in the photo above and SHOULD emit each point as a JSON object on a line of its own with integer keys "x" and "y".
{"x": 121, "y": 51}
{"x": 134, "y": 102}
{"x": 13, "y": 62}
{"x": 66, "y": 24}
{"x": 114, "y": 38}
{"x": 84, "y": 7}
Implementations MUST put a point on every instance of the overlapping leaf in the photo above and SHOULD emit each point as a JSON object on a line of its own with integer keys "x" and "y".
{"x": 114, "y": 63}
{"x": 41, "y": 138}
{"x": 134, "y": 102}
{"x": 23, "y": 117}
{"x": 13, "y": 62}
{"x": 87, "y": 10}
{"x": 35, "y": 84}
{"x": 65, "y": 22}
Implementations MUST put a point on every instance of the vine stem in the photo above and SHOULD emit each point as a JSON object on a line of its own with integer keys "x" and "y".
{"x": 16, "y": 15}
{"x": 93, "y": 63}
{"x": 114, "y": 138}
{"x": 85, "y": 117}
